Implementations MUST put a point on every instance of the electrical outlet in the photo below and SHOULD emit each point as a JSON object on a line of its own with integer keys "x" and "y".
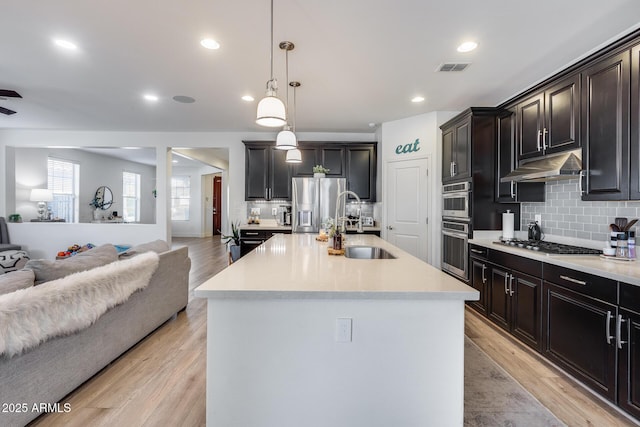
{"x": 274, "y": 211}
{"x": 538, "y": 219}
{"x": 343, "y": 329}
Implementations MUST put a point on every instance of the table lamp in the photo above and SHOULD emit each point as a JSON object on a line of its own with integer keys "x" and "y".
{"x": 42, "y": 196}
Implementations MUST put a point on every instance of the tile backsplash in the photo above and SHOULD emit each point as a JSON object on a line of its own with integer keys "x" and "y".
{"x": 564, "y": 214}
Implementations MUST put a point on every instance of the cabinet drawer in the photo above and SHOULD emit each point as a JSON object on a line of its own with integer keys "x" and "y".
{"x": 479, "y": 252}
{"x": 517, "y": 263}
{"x": 630, "y": 297}
{"x": 584, "y": 283}
{"x": 253, "y": 234}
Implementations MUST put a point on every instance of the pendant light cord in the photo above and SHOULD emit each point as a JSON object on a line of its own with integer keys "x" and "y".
{"x": 271, "y": 45}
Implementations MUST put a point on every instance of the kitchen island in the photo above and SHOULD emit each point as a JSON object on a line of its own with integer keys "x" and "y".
{"x": 296, "y": 337}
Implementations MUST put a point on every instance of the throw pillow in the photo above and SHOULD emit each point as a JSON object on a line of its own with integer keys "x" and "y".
{"x": 157, "y": 246}
{"x": 15, "y": 280}
{"x": 12, "y": 260}
{"x": 46, "y": 270}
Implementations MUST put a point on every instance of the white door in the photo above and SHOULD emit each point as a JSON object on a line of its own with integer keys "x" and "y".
{"x": 407, "y": 206}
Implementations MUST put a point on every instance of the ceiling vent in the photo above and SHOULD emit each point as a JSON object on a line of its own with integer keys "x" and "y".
{"x": 453, "y": 67}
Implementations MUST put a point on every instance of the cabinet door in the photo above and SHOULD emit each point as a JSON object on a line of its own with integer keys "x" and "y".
{"x": 562, "y": 116}
{"x": 529, "y": 127}
{"x": 629, "y": 366}
{"x": 309, "y": 160}
{"x": 279, "y": 176}
{"x": 580, "y": 337}
{"x": 499, "y": 298}
{"x": 480, "y": 275}
{"x": 634, "y": 172}
{"x": 526, "y": 320}
{"x": 361, "y": 176}
{"x": 462, "y": 150}
{"x": 605, "y": 123}
{"x": 257, "y": 169}
{"x": 332, "y": 158}
{"x": 447, "y": 155}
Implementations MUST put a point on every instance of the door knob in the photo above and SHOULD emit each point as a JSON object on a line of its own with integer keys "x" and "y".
{"x": 389, "y": 227}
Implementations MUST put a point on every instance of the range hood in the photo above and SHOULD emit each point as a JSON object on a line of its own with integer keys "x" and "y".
{"x": 552, "y": 167}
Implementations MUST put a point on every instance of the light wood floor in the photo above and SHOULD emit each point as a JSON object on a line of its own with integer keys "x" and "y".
{"x": 161, "y": 381}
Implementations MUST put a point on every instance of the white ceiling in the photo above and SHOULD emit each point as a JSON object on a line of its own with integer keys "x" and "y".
{"x": 359, "y": 61}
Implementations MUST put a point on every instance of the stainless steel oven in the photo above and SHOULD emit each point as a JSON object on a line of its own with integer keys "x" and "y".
{"x": 455, "y": 237}
{"x": 455, "y": 200}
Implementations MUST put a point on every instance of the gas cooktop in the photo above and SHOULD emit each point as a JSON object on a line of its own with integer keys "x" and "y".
{"x": 550, "y": 248}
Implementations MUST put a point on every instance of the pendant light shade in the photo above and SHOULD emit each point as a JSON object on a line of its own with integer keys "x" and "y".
{"x": 271, "y": 110}
{"x": 286, "y": 139}
{"x": 294, "y": 156}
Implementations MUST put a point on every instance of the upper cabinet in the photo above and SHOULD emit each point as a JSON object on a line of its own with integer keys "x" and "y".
{"x": 605, "y": 129}
{"x": 634, "y": 170}
{"x": 268, "y": 176}
{"x": 548, "y": 122}
{"x": 456, "y": 149}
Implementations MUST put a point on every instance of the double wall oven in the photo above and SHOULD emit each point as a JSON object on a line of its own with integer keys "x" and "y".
{"x": 456, "y": 223}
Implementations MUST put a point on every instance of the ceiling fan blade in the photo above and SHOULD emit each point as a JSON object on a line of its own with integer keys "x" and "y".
{"x": 6, "y": 111}
{"x": 9, "y": 93}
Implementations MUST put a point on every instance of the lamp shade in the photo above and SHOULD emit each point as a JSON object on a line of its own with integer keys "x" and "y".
{"x": 286, "y": 140}
{"x": 271, "y": 112}
{"x": 41, "y": 195}
{"x": 294, "y": 156}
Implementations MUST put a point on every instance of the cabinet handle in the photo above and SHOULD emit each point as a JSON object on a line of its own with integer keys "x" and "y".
{"x": 580, "y": 176}
{"x": 619, "y": 331}
{"x": 571, "y": 279}
{"x": 253, "y": 242}
{"x": 544, "y": 139}
{"x": 477, "y": 251}
{"x": 513, "y": 187}
{"x": 538, "y": 140}
{"x": 511, "y": 291}
{"x": 608, "y": 327}
{"x": 266, "y": 193}
{"x": 251, "y": 233}
{"x": 506, "y": 277}
{"x": 484, "y": 278}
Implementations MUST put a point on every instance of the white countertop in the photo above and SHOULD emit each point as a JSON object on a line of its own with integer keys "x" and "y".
{"x": 623, "y": 271}
{"x": 298, "y": 266}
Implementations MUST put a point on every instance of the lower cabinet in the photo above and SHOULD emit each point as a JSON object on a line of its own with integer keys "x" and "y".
{"x": 251, "y": 238}
{"x": 628, "y": 333}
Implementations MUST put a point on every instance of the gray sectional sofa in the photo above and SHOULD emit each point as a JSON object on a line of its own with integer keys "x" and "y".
{"x": 53, "y": 369}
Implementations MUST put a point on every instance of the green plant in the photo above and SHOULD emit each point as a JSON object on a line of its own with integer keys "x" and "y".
{"x": 320, "y": 169}
{"x": 234, "y": 236}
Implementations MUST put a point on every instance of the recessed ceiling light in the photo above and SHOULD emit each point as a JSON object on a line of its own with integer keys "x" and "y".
{"x": 417, "y": 99}
{"x": 467, "y": 46}
{"x": 210, "y": 44}
{"x": 174, "y": 161}
{"x": 248, "y": 98}
{"x": 150, "y": 97}
{"x": 65, "y": 44}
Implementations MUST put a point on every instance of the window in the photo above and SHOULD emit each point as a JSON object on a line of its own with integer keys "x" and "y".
{"x": 130, "y": 197}
{"x": 180, "y": 198}
{"x": 63, "y": 181}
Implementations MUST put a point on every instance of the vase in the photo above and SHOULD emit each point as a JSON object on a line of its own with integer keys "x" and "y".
{"x": 319, "y": 175}
{"x": 97, "y": 214}
{"x": 235, "y": 252}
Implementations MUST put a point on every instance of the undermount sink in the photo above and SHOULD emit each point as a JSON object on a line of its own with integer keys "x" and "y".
{"x": 367, "y": 252}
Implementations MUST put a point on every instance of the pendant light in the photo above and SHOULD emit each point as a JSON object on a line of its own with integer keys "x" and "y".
{"x": 294, "y": 156}
{"x": 286, "y": 139}
{"x": 271, "y": 110}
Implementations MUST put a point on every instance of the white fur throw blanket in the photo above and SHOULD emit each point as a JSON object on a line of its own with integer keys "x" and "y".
{"x": 31, "y": 316}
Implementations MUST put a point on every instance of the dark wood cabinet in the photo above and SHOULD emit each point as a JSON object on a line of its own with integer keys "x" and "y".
{"x": 456, "y": 151}
{"x": 361, "y": 170}
{"x": 310, "y": 158}
{"x": 506, "y": 162}
{"x": 329, "y": 155}
{"x": 605, "y": 129}
{"x": 333, "y": 158}
{"x": 268, "y": 175}
{"x": 252, "y": 238}
{"x": 580, "y": 317}
{"x": 548, "y": 122}
{"x": 480, "y": 276}
{"x": 629, "y": 364}
{"x": 634, "y": 167}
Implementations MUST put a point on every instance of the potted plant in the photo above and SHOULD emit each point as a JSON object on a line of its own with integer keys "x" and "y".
{"x": 233, "y": 241}
{"x": 319, "y": 171}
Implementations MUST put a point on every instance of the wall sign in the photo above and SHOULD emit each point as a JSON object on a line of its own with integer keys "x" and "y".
{"x": 408, "y": 148}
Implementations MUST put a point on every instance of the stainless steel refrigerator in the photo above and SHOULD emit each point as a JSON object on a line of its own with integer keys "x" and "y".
{"x": 314, "y": 201}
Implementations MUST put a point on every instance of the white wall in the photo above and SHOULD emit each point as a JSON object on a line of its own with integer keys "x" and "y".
{"x": 426, "y": 128}
{"x": 196, "y": 225}
{"x": 233, "y": 179}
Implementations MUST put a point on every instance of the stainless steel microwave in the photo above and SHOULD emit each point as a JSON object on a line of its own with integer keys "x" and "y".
{"x": 455, "y": 200}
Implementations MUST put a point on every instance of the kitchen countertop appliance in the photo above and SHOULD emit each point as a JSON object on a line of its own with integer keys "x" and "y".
{"x": 549, "y": 248}
{"x": 313, "y": 202}
{"x": 535, "y": 232}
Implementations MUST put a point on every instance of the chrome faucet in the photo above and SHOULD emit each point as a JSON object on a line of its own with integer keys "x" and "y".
{"x": 359, "y": 230}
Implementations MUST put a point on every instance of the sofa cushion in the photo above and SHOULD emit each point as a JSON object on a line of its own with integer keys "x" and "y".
{"x": 157, "y": 246}
{"x": 46, "y": 270}
{"x": 15, "y": 280}
{"x": 12, "y": 260}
